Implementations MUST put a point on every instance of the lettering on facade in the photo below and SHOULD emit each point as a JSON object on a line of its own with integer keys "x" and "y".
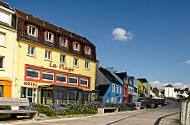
{"x": 28, "y": 83}
{"x": 61, "y": 67}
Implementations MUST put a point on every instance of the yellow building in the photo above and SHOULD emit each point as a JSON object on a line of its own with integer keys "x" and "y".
{"x": 8, "y": 45}
{"x": 53, "y": 65}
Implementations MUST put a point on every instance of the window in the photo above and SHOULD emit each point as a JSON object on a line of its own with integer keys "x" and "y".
{"x": 87, "y": 50}
{"x": 119, "y": 100}
{"x": 31, "y": 50}
{"x": 117, "y": 88}
{"x": 1, "y": 91}
{"x": 2, "y": 39}
{"x": 62, "y": 58}
{"x": 47, "y": 54}
{"x": 63, "y": 41}
{"x": 83, "y": 82}
{"x": 61, "y": 78}
{"x": 73, "y": 80}
{"x": 87, "y": 65}
{"x": 76, "y": 46}
{"x": 49, "y": 36}
{"x": 75, "y": 62}
{"x": 32, "y": 30}
{"x": 107, "y": 100}
{"x": 48, "y": 76}
{"x": 113, "y": 87}
{"x": 4, "y": 17}
{"x": 32, "y": 73}
{"x": 28, "y": 93}
{"x": 120, "y": 89}
{"x": 1, "y": 62}
{"x": 112, "y": 99}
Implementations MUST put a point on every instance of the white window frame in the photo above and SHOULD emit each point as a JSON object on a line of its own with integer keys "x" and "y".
{"x": 48, "y": 52}
{"x": 117, "y": 89}
{"x": 4, "y": 16}
{"x": 31, "y": 30}
{"x": 65, "y": 41}
{"x": 120, "y": 89}
{"x": 119, "y": 99}
{"x": 34, "y": 70}
{"x": 74, "y": 62}
{"x": 47, "y": 72}
{"x": 77, "y": 49}
{"x": 2, "y": 35}
{"x": 47, "y": 36}
{"x": 112, "y": 99}
{"x": 61, "y": 75}
{"x": 84, "y": 79}
{"x": 113, "y": 88}
{"x": 73, "y": 77}
{"x": 30, "y": 50}
{"x": 61, "y": 58}
{"x": 88, "y": 53}
{"x": 88, "y": 65}
{"x": 107, "y": 100}
{"x": 3, "y": 58}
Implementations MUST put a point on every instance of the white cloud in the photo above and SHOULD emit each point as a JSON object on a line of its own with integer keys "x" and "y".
{"x": 187, "y": 62}
{"x": 121, "y": 34}
{"x": 160, "y": 85}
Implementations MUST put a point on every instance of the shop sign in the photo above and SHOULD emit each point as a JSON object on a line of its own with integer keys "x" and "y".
{"x": 28, "y": 83}
{"x": 61, "y": 67}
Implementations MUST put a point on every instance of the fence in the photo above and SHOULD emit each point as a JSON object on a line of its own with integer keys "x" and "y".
{"x": 184, "y": 112}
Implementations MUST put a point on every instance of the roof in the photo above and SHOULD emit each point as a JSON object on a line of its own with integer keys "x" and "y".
{"x": 169, "y": 85}
{"x": 109, "y": 76}
{"x": 49, "y": 26}
{"x": 142, "y": 80}
{"x": 4, "y": 4}
{"x": 115, "y": 75}
{"x": 121, "y": 75}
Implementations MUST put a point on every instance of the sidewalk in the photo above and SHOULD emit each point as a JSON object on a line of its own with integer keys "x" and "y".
{"x": 170, "y": 120}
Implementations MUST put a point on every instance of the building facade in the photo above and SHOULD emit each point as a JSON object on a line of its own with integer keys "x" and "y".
{"x": 169, "y": 91}
{"x": 123, "y": 76}
{"x": 130, "y": 89}
{"x": 135, "y": 92}
{"x": 53, "y": 65}
{"x": 147, "y": 87}
{"x": 110, "y": 89}
{"x": 8, "y": 43}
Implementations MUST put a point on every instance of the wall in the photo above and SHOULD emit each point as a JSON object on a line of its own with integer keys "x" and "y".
{"x": 39, "y": 61}
{"x": 116, "y": 95}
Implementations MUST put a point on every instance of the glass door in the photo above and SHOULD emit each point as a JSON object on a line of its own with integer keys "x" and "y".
{"x": 1, "y": 91}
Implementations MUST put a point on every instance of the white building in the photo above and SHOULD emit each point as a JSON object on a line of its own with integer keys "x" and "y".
{"x": 169, "y": 91}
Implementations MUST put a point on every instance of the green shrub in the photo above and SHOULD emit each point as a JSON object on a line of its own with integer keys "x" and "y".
{"x": 5, "y": 116}
{"x": 46, "y": 110}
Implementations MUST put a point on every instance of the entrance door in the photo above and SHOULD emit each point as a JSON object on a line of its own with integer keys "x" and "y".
{"x": 1, "y": 91}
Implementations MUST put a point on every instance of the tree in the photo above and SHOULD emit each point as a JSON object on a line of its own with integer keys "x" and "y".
{"x": 156, "y": 91}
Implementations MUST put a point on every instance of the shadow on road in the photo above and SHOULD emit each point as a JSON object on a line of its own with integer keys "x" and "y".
{"x": 159, "y": 119}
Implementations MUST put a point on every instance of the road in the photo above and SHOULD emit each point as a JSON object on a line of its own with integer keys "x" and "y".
{"x": 160, "y": 116}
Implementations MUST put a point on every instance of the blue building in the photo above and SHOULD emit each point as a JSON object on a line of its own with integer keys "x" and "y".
{"x": 110, "y": 86}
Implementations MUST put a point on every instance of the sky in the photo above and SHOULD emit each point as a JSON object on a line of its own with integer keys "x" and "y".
{"x": 146, "y": 38}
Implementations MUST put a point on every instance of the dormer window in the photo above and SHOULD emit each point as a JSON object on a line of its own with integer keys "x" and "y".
{"x": 32, "y": 30}
{"x": 76, "y": 46}
{"x": 63, "y": 42}
{"x": 87, "y": 50}
{"x": 49, "y": 36}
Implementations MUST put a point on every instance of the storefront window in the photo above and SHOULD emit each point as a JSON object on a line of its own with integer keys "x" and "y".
{"x": 72, "y": 95}
{"x": 49, "y": 93}
{"x": 1, "y": 91}
{"x": 83, "y": 82}
{"x": 29, "y": 93}
{"x": 32, "y": 73}
{"x": 61, "y": 78}
{"x": 49, "y": 76}
{"x": 73, "y": 80}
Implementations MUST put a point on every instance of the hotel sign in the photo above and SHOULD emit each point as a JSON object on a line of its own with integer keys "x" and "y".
{"x": 61, "y": 67}
{"x": 32, "y": 84}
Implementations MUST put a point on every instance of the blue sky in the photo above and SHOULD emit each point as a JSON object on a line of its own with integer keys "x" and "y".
{"x": 151, "y": 37}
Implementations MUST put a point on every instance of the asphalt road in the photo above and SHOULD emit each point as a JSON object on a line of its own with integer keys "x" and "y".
{"x": 160, "y": 116}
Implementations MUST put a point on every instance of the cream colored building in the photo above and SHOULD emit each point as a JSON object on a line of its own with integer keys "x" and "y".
{"x": 169, "y": 91}
{"x": 8, "y": 41}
